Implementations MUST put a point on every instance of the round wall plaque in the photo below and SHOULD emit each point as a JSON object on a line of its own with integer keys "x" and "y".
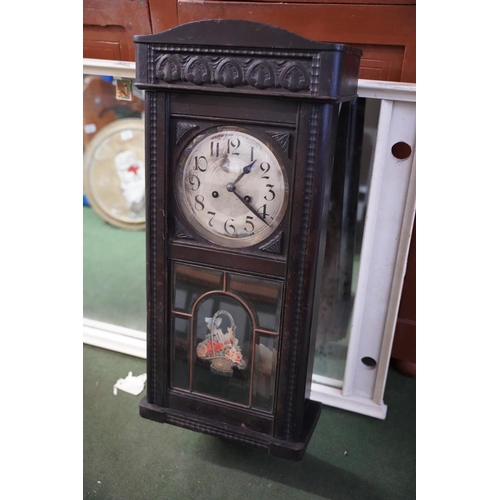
{"x": 114, "y": 175}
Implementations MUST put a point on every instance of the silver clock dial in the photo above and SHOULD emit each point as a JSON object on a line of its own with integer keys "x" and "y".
{"x": 231, "y": 187}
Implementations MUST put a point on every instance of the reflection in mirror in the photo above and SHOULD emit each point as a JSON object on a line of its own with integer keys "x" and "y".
{"x": 263, "y": 294}
{"x": 181, "y": 352}
{"x": 192, "y": 282}
{"x": 266, "y": 357}
{"x": 114, "y": 154}
{"x": 339, "y": 283}
{"x": 114, "y": 280}
{"x": 101, "y": 105}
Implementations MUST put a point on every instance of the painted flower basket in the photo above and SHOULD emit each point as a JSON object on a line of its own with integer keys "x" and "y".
{"x": 221, "y": 349}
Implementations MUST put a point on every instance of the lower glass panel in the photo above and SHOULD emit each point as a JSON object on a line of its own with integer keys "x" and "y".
{"x": 220, "y": 321}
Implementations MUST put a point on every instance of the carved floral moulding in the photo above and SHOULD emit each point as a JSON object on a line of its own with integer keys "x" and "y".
{"x": 255, "y": 70}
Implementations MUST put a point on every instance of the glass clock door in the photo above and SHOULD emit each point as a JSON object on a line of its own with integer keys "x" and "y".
{"x": 225, "y": 335}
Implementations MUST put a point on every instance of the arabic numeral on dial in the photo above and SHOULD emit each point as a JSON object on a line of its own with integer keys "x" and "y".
{"x": 194, "y": 181}
{"x": 250, "y": 224}
{"x": 229, "y": 228}
{"x": 263, "y": 210}
{"x": 265, "y": 167}
{"x": 232, "y": 146}
{"x": 214, "y": 149}
{"x": 211, "y": 218}
{"x": 198, "y": 202}
{"x": 271, "y": 192}
{"x": 200, "y": 163}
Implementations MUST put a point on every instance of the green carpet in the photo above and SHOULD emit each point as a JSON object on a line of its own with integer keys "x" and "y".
{"x": 114, "y": 273}
{"x": 350, "y": 456}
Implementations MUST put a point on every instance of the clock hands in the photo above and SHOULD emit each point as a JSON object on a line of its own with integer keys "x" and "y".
{"x": 246, "y": 170}
{"x": 231, "y": 189}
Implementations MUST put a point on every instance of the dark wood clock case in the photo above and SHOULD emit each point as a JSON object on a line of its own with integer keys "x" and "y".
{"x": 300, "y": 96}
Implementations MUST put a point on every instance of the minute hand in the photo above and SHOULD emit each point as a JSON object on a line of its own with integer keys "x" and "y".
{"x": 231, "y": 189}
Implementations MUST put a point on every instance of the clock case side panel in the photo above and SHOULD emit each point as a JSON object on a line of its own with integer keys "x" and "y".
{"x": 330, "y": 178}
{"x": 156, "y": 286}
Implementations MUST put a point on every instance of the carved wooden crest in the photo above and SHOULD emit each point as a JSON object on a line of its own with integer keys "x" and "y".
{"x": 281, "y": 74}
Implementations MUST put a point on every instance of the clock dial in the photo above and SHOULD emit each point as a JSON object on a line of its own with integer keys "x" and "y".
{"x": 231, "y": 187}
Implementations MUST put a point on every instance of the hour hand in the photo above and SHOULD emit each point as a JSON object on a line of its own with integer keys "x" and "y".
{"x": 230, "y": 188}
{"x": 246, "y": 170}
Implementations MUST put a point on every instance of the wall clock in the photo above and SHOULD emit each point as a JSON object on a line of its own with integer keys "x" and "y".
{"x": 248, "y": 147}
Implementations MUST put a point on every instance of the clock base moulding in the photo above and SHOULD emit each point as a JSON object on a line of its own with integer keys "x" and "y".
{"x": 292, "y": 450}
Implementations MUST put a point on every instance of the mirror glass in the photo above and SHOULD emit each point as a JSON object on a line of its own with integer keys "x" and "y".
{"x": 114, "y": 240}
{"x": 339, "y": 283}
